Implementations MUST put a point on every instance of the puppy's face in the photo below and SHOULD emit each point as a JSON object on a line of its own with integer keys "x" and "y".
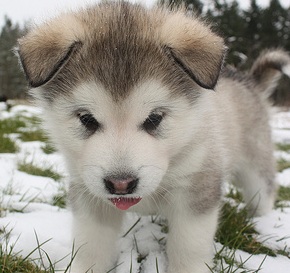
{"x": 119, "y": 86}
{"x": 121, "y": 149}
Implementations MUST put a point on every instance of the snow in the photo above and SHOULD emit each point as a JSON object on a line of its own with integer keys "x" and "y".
{"x": 278, "y": 264}
{"x": 275, "y": 229}
{"x": 284, "y": 178}
{"x": 39, "y": 224}
{"x": 31, "y": 220}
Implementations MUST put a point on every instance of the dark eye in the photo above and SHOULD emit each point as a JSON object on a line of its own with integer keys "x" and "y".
{"x": 89, "y": 122}
{"x": 152, "y": 122}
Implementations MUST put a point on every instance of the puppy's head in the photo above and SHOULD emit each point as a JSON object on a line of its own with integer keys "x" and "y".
{"x": 120, "y": 85}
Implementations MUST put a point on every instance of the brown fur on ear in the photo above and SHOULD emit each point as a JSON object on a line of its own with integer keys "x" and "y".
{"x": 46, "y": 49}
{"x": 193, "y": 47}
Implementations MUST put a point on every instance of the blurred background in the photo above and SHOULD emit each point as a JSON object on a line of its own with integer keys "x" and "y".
{"x": 248, "y": 26}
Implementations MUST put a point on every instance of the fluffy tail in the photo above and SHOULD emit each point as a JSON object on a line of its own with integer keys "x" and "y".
{"x": 268, "y": 69}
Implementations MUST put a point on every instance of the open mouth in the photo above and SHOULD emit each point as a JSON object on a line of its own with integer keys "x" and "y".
{"x": 124, "y": 203}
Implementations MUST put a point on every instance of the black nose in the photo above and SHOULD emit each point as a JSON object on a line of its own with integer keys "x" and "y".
{"x": 121, "y": 185}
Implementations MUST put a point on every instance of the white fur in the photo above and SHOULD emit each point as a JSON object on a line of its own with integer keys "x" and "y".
{"x": 95, "y": 242}
{"x": 190, "y": 235}
{"x": 123, "y": 146}
{"x": 166, "y": 168}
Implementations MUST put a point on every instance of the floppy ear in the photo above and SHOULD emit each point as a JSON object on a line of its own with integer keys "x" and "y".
{"x": 46, "y": 50}
{"x": 194, "y": 48}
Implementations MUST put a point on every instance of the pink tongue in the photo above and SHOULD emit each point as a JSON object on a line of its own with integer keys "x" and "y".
{"x": 124, "y": 203}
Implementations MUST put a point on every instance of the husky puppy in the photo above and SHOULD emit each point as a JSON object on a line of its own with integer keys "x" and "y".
{"x": 127, "y": 94}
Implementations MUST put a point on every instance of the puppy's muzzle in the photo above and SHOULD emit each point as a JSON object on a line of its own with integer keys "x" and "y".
{"x": 121, "y": 185}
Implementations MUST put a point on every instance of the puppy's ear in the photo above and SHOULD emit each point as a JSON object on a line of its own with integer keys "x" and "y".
{"x": 194, "y": 48}
{"x": 44, "y": 51}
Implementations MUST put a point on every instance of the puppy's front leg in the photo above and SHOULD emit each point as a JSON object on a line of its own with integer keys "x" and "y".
{"x": 190, "y": 239}
{"x": 95, "y": 241}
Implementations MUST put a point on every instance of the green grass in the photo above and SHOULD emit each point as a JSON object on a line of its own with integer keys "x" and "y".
{"x": 284, "y": 252}
{"x": 11, "y": 262}
{"x": 60, "y": 200}
{"x": 283, "y": 194}
{"x": 7, "y": 145}
{"x": 27, "y": 129}
{"x": 18, "y": 123}
{"x": 282, "y": 164}
{"x": 11, "y": 125}
{"x": 225, "y": 262}
{"x": 283, "y": 147}
{"x": 33, "y": 120}
{"x": 236, "y": 231}
{"x": 235, "y": 195}
{"x": 36, "y": 133}
{"x": 33, "y": 135}
{"x": 48, "y": 148}
{"x": 34, "y": 170}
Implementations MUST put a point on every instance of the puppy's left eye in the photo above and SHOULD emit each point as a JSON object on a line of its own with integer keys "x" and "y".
{"x": 152, "y": 122}
{"x": 89, "y": 122}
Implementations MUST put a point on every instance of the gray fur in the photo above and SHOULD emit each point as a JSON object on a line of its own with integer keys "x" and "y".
{"x": 119, "y": 48}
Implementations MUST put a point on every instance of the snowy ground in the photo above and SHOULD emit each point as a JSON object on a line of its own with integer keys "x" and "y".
{"x": 32, "y": 220}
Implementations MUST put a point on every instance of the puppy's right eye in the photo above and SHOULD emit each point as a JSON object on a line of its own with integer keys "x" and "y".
{"x": 89, "y": 122}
